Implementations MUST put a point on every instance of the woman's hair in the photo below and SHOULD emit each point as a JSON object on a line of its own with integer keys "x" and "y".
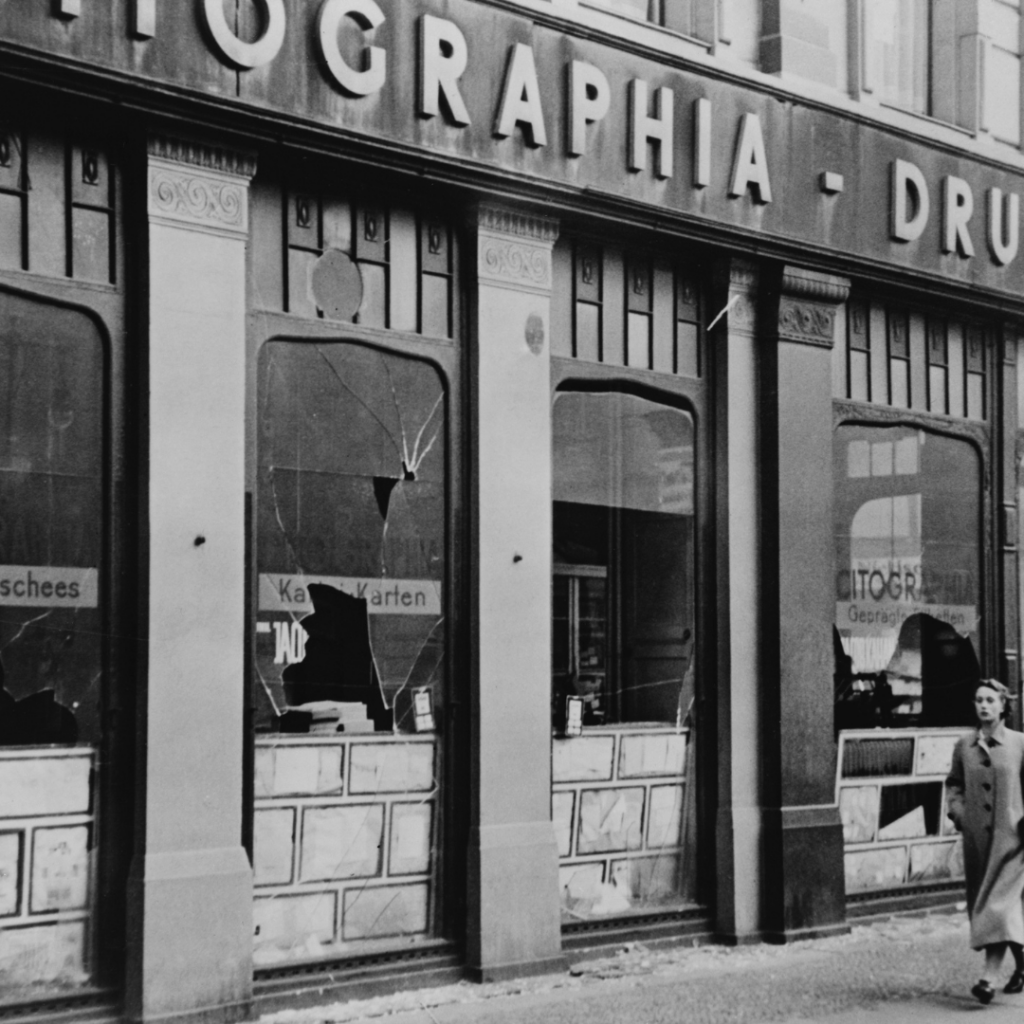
{"x": 998, "y": 687}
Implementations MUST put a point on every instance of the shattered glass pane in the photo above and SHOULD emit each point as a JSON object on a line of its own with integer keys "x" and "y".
{"x": 350, "y": 650}
{"x": 623, "y": 625}
{"x": 51, "y": 516}
{"x": 351, "y": 531}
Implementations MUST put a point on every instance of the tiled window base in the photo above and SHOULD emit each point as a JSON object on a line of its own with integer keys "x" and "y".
{"x": 343, "y": 845}
{"x": 891, "y": 792}
{"x": 46, "y": 869}
{"x": 620, "y": 808}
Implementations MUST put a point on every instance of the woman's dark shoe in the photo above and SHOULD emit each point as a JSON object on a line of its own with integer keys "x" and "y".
{"x": 983, "y": 992}
{"x": 1016, "y": 982}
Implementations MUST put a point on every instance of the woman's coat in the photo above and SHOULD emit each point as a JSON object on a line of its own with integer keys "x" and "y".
{"x": 986, "y": 805}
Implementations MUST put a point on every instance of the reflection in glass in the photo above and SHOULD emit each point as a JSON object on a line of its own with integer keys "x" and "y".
{"x": 907, "y": 534}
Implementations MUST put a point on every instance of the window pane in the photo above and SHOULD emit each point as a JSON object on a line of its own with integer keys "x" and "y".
{"x": 373, "y": 311}
{"x": 937, "y": 389}
{"x": 907, "y": 536}
{"x": 90, "y": 251}
{"x": 638, "y": 340}
{"x": 859, "y": 370}
{"x": 620, "y": 451}
{"x": 1002, "y": 93}
{"x": 435, "y": 305}
{"x": 11, "y": 236}
{"x": 687, "y": 349}
{"x": 588, "y": 331}
{"x": 896, "y": 51}
{"x": 351, "y": 529}
{"x": 899, "y": 383}
{"x": 300, "y": 295}
{"x": 975, "y": 396}
{"x": 51, "y": 524}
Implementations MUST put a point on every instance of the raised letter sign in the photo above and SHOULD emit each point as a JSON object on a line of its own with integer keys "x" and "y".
{"x": 656, "y": 129}
{"x": 367, "y": 15}
{"x": 231, "y": 48}
{"x": 443, "y": 58}
{"x": 907, "y": 179}
{"x": 1003, "y": 225}
{"x": 957, "y": 207}
{"x": 589, "y": 100}
{"x": 751, "y": 165}
{"x": 520, "y": 102}
{"x": 702, "y": 143}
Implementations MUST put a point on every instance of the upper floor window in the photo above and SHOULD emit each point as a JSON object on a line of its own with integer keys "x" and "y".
{"x": 999, "y": 23}
{"x": 677, "y": 15}
{"x": 896, "y": 52}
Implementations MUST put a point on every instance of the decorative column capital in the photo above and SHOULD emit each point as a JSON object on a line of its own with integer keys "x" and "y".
{"x": 514, "y": 248}
{"x": 741, "y": 307}
{"x": 201, "y": 186}
{"x": 808, "y": 304}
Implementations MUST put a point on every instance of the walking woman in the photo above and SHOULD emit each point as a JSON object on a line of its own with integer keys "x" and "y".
{"x": 987, "y": 806}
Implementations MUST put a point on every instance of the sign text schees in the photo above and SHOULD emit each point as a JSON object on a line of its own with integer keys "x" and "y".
{"x": 48, "y": 586}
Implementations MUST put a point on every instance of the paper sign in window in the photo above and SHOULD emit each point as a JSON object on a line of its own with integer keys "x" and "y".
{"x": 48, "y": 586}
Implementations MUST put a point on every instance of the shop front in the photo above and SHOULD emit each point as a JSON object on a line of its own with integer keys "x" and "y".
{"x": 472, "y": 490}
{"x": 919, "y": 392}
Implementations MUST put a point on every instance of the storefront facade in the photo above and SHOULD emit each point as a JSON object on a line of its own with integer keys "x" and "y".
{"x": 482, "y": 479}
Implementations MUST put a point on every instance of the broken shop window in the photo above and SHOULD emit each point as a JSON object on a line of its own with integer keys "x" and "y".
{"x": 352, "y": 454}
{"x": 350, "y": 637}
{"x": 908, "y": 570}
{"x": 623, "y": 799}
{"x": 623, "y": 531}
{"x": 51, "y": 524}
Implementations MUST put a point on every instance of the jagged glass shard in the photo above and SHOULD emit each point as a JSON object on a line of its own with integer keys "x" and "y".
{"x": 351, "y": 527}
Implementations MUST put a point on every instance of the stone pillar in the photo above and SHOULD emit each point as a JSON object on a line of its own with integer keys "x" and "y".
{"x": 803, "y": 841}
{"x": 190, "y": 886}
{"x": 738, "y": 554}
{"x": 513, "y": 894}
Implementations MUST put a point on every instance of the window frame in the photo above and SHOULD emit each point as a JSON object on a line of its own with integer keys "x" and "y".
{"x": 446, "y": 356}
{"x": 847, "y": 412}
{"x": 693, "y": 396}
{"x": 43, "y": 279}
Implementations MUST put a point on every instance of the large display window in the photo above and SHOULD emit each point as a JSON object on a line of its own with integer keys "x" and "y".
{"x": 908, "y": 576}
{"x": 623, "y": 652}
{"x": 351, "y": 641}
{"x": 51, "y": 641}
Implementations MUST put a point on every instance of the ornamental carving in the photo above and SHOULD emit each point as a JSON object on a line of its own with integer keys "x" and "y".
{"x": 808, "y": 322}
{"x": 741, "y": 312}
{"x": 213, "y": 158}
{"x": 197, "y": 199}
{"x": 501, "y": 221}
{"x": 515, "y": 262}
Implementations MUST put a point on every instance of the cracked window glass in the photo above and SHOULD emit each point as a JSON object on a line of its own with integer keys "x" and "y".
{"x": 51, "y": 524}
{"x": 350, "y": 637}
{"x": 351, "y": 532}
{"x": 623, "y": 711}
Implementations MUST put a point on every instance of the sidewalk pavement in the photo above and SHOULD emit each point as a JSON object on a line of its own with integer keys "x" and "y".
{"x": 909, "y": 970}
